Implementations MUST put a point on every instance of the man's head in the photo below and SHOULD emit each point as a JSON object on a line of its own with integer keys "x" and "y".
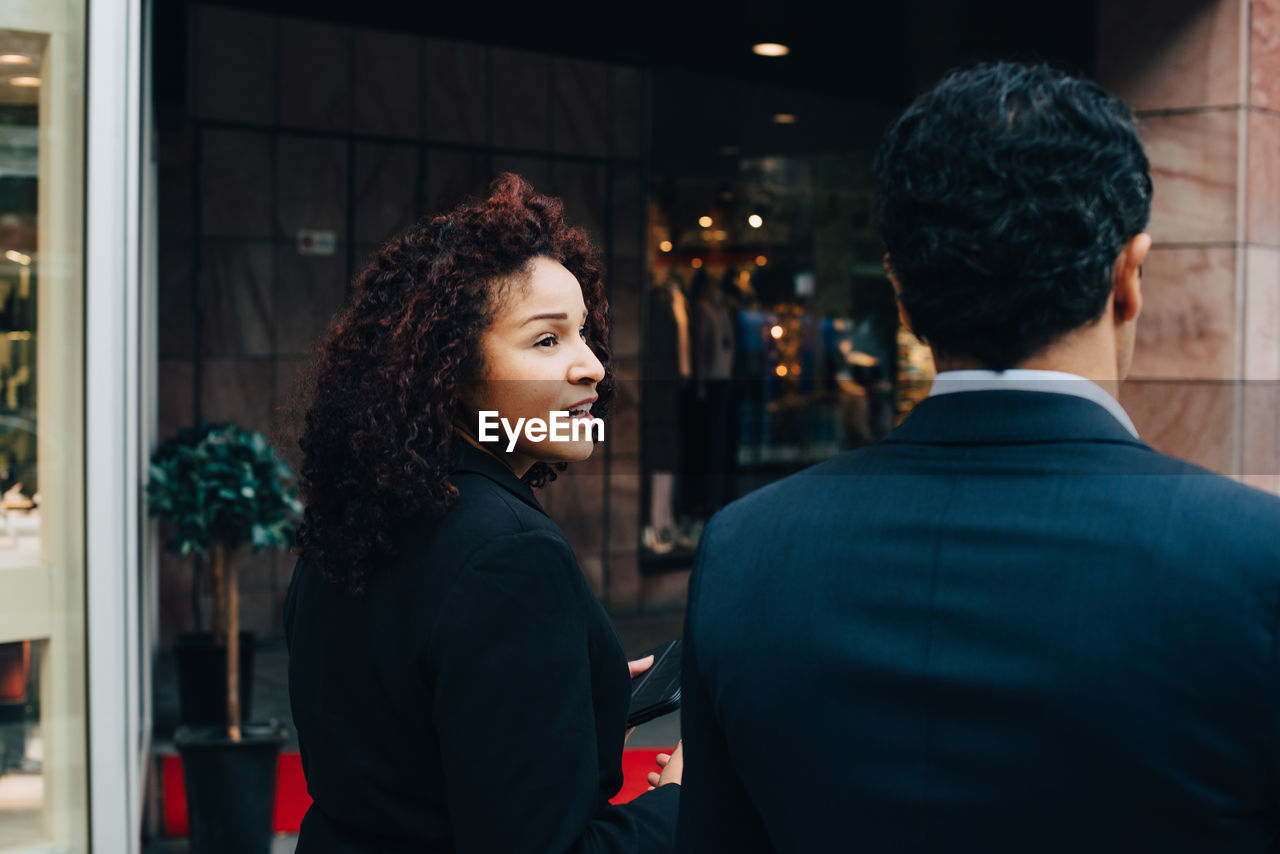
{"x": 1012, "y": 200}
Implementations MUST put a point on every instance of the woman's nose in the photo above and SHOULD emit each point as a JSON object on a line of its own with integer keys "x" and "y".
{"x": 586, "y": 367}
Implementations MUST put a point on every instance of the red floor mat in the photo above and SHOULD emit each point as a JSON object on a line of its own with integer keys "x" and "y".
{"x": 291, "y": 789}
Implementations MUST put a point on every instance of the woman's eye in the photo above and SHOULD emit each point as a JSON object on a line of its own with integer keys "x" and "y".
{"x": 545, "y": 342}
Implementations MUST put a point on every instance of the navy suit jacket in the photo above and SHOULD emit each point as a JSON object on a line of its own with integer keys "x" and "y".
{"x": 1008, "y": 627}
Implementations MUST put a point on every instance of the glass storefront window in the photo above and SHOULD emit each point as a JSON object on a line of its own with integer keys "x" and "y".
{"x": 43, "y": 779}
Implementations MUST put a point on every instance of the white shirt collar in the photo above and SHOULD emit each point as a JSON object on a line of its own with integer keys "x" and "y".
{"x": 1016, "y": 379}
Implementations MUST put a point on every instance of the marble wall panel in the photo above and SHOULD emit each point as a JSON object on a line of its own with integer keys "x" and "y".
{"x": 630, "y": 107}
{"x": 1170, "y": 54}
{"x": 1260, "y": 453}
{"x": 311, "y": 185}
{"x": 667, "y": 590}
{"x": 385, "y": 190}
{"x": 235, "y": 65}
{"x": 624, "y": 511}
{"x": 535, "y": 170}
{"x": 521, "y": 99}
{"x": 1262, "y": 315}
{"x": 624, "y": 581}
{"x": 622, "y": 430}
{"x": 236, "y": 178}
{"x": 238, "y": 390}
{"x": 176, "y": 408}
{"x": 311, "y": 290}
{"x": 175, "y": 182}
{"x": 175, "y": 310}
{"x": 580, "y": 107}
{"x": 1264, "y": 53}
{"x": 1263, "y": 188}
{"x": 315, "y": 75}
{"x": 1187, "y": 329}
{"x": 236, "y": 298}
{"x": 584, "y": 189}
{"x": 289, "y": 409}
{"x": 387, "y": 71}
{"x": 1193, "y": 171}
{"x": 451, "y": 177}
{"x": 456, "y": 93}
{"x": 1195, "y": 421}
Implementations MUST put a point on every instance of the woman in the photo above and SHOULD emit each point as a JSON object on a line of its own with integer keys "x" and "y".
{"x": 455, "y": 684}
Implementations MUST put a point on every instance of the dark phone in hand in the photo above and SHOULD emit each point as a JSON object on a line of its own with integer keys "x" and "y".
{"x": 656, "y": 692}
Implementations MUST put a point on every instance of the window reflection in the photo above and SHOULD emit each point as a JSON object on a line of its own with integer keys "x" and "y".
{"x": 21, "y": 79}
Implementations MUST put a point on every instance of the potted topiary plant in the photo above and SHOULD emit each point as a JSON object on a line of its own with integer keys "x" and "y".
{"x": 223, "y": 488}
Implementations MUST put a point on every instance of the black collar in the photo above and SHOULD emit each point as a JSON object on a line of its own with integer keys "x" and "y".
{"x": 469, "y": 458}
{"x": 1000, "y": 417}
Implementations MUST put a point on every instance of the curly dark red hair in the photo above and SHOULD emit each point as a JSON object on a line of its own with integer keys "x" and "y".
{"x": 378, "y": 432}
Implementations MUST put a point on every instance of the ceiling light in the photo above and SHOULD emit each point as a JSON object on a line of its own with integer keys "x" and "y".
{"x": 784, "y": 118}
{"x": 777, "y": 332}
{"x": 761, "y": 260}
{"x": 25, "y": 82}
{"x": 696, "y": 263}
{"x": 664, "y": 246}
{"x": 770, "y": 49}
{"x": 15, "y": 59}
{"x": 781, "y": 370}
{"x": 755, "y": 220}
{"x": 704, "y": 221}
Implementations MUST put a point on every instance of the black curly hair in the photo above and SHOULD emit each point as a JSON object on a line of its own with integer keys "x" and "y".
{"x": 379, "y": 431}
{"x": 1004, "y": 196}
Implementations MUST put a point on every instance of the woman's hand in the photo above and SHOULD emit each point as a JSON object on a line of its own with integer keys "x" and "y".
{"x": 672, "y": 765}
{"x": 640, "y": 665}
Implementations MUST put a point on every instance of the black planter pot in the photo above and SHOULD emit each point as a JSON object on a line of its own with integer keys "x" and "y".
{"x": 202, "y": 678}
{"x": 231, "y": 786}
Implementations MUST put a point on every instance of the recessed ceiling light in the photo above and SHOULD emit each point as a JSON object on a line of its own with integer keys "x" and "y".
{"x": 705, "y": 221}
{"x": 784, "y": 118}
{"x": 755, "y": 220}
{"x": 770, "y": 49}
{"x": 15, "y": 59}
{"x": 25, "y": 82}
{"x": 665, "y": 246}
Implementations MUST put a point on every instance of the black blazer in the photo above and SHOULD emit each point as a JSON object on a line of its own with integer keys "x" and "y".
{"x": 474, "y": 700}
{"x": 1009, "y": 627}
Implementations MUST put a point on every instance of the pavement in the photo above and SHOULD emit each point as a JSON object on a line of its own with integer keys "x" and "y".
{"x": 271, "y": 701}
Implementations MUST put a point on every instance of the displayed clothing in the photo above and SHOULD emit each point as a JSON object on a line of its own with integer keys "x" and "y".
{"x": 668, "y": 369}
{"x": 474, "y": 699}
{"x": 1010, "y": 626}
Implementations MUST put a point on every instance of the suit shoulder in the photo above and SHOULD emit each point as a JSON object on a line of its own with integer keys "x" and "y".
{"x": 797, "y": 489}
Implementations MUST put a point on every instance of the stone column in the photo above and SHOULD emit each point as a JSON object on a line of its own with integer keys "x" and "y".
{"x": 1204, "y": 79}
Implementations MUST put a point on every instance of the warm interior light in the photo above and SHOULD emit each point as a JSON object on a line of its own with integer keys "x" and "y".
{"x": 761, "y": 260}
{"x": 18, "y": 257}
{"x": 664, "y": 246}
{"x": 719, "y": 234}
{"x": 755, "y": 220}
{"x": 25, "y": 82}
{"x": 784, "y": 118}
{"x": 704, "y": 221}
{"x": 696, "y": 263}
{"x": 777, "y": 332}
{"x": 781, "y": 370}
{"x": 15, "y": 59}
{"x": 770, "y": 49}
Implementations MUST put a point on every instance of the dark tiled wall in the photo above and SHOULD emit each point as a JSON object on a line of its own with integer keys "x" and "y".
{"x": 293, "y": 124}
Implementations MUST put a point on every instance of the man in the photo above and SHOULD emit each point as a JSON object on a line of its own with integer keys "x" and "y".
{"x": 1011, "y": 626}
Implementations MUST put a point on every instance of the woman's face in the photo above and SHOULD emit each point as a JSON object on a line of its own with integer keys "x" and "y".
{"x": 536, "y": 362}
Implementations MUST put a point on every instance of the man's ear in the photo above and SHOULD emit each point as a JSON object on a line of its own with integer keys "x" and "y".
{"x": 1126, "y": 278}
{"x": 903, "y": 317}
